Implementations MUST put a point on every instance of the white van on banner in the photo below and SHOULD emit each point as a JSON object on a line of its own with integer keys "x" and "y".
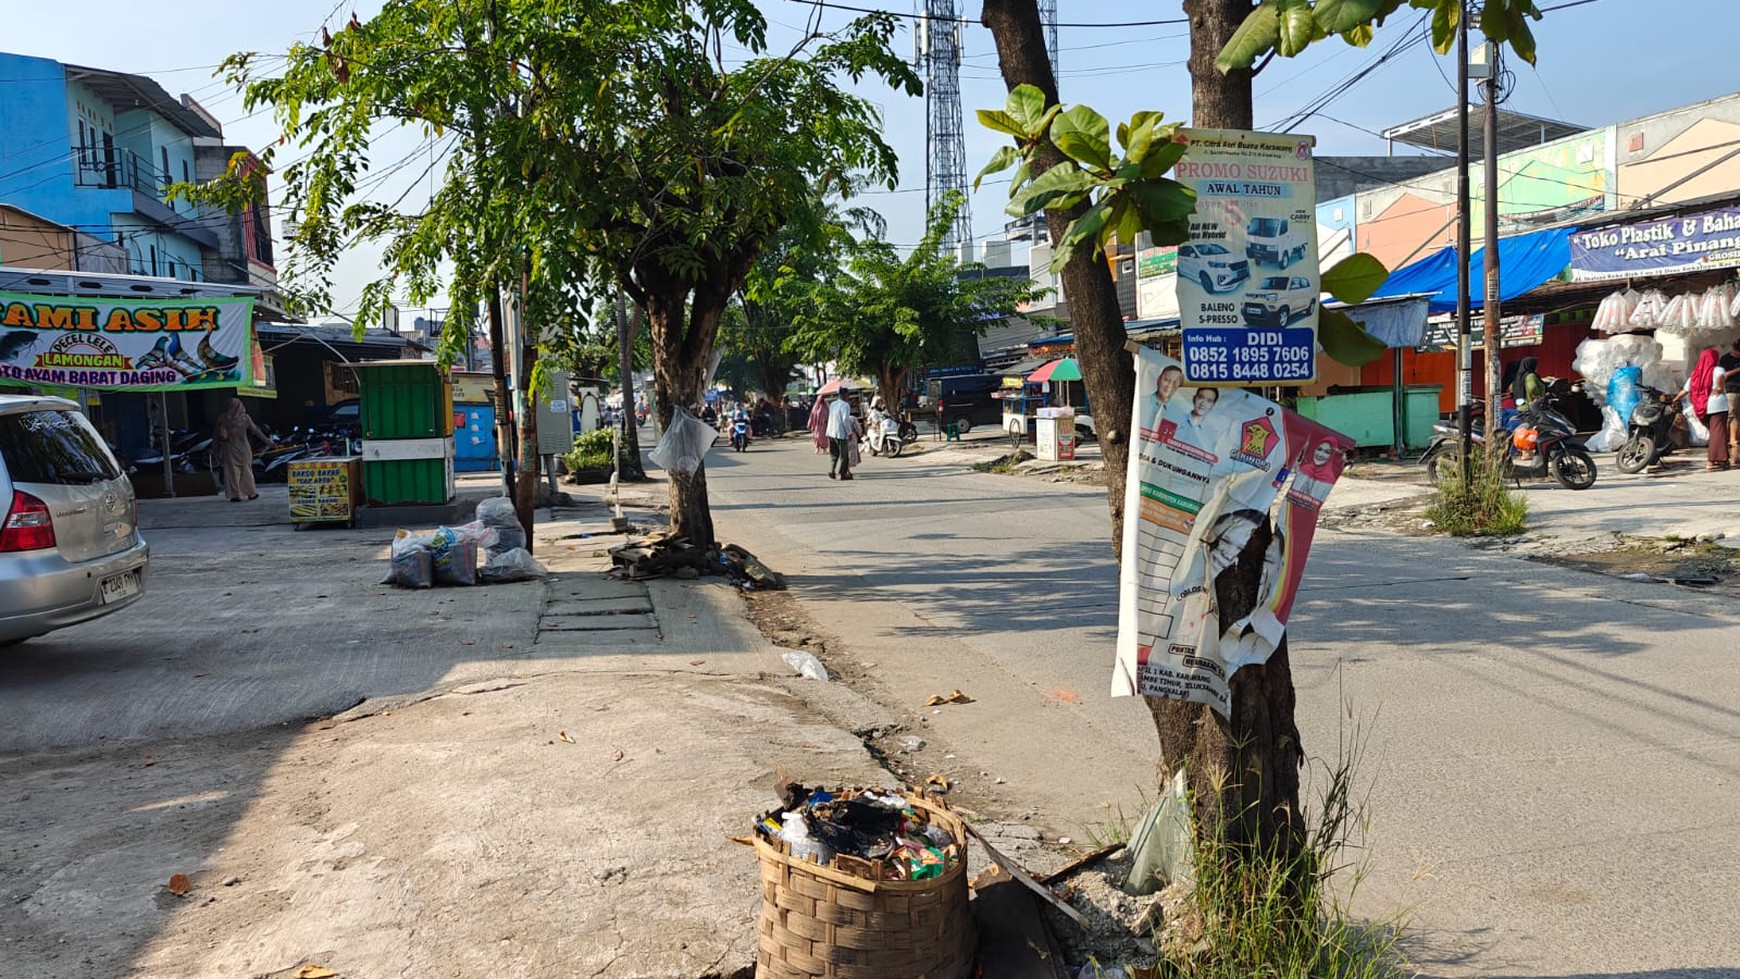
{"x": 1207, "y": 467}
{"x": 1248, "y": 281}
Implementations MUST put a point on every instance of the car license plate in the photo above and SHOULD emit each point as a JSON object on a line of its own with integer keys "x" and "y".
{"x": 119, "y": 586}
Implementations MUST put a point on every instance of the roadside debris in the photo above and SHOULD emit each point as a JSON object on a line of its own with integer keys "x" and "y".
{"x": 449, "y": 555}
{"x": 806, "y": 665}
{"x": 952, "y": 697}
{"x": 179, "y": 885}
{"x": 664, "y": 553}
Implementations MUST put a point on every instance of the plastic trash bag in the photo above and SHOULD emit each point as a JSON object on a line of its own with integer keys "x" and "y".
{"x": 684, "y": 444}
{"x": 514, "y": 564}
{"x": 410, "y": 565}
{"x": 806, "y": 665}
{"x": 498, "y": 513}
{"x": 456, "y": 564}
{"x": 1162, "y": 846}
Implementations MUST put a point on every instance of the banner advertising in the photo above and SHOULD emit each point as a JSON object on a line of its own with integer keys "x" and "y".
{"x": 1156, "y": 283}
{"x": 126, "y": 344}
{"x": 1209, "y": 464}
{"x": 1687, "y": 243}
{"x": 1513, "y": 331}
{"x": 1248, "y": 282}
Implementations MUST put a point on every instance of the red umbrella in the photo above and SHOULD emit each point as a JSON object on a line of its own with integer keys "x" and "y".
{"x": 835, "y": 385}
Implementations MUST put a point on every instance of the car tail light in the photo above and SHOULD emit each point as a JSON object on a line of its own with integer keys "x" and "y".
{"x": 29, "y": 527}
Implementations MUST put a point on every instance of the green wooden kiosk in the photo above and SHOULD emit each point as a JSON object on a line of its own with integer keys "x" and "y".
{"x": 406, "y": 415}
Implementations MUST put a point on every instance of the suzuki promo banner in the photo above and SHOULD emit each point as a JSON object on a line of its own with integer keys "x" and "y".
{"x": 126, "y": 344}
{"x": 1687, "y": 243}
{"x": 1207, "y": 468}
{"x": 1248, "y": 281}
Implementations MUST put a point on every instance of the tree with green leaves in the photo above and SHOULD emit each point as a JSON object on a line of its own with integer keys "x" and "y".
{"x": 888, "y": 315}
{"x": 588, "y": 145}
{"x": 1288, "y": 27}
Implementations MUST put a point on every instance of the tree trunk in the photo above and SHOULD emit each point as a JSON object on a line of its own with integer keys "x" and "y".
{"x": 526, "y": 483}
{"x": 1094, "y": 314}
{"x": 504, "y": 398}
{"x": 679, "y": 374}
{"x": 625, "y": 331}
{"x": 1261, "y": 739}
{"x": 890, "y": 381}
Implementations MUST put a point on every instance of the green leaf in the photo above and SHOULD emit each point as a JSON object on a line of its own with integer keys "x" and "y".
{"x": 1360, "y": 36}
{"x": 1163, "y": 201}
{"x": 1026, "y": 106}
{"x": 1260, "y": 32}
{"x": 1060, "y": 181}
{"x": 1445, "y": 16}
{"x": 1162, "y": 157}
{"x": 1002, "y": 122}
{"x": 1003, "y": 159}
{"x": 1298, "y": 28}
{"x": 1084, "y": 136}
{"x": 1141, "y": 140}
{"x": 1355, "y": 278}
{"x": 1091, "y": 225}
{"x": 1345, "y": 341}
{"x": 1338, "y": 16}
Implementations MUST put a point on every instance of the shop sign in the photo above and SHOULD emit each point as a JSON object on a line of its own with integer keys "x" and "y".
{"x": 322, "y": 490}
{"x": 1513, "y": 331}
{"x": 1248, "y": 283}
{"x": 1208, "y": 466}
{"x": 126, "y": 344}
{"x": 1686, "y": 243}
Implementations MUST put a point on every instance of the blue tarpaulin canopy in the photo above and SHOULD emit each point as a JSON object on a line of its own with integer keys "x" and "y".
{"x": 1524, "y": 263}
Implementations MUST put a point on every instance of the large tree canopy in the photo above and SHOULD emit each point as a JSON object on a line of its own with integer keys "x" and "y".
{"x": 587, "y": 143}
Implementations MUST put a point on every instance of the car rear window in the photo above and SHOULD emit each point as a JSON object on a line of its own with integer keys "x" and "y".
{"x": 52, "y": 446}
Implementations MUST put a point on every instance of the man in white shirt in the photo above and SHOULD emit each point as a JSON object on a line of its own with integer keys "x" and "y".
{"x": 842, "y": 428}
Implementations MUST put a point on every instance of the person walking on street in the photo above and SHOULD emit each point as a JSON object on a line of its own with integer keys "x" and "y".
{"x": 818, "y": 424}
{"x": 1730, "y": 365}
{"x": 1707, "y": 388}
{"x": 842, "y": 430}
{"x": 234, "y": 438}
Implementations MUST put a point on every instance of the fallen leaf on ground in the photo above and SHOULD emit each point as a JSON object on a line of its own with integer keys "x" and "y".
{"x": 180, "y": 884}
{"x": 952, "y": 697}
{"x": 147, "y": 763}
{"x": 696, "y": 662}
{"x": 564, "y": 736}
{"x": 938, "y": 782}
{"x": 312, "y": 971}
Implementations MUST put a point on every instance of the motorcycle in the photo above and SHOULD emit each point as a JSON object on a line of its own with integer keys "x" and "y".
{"x": 1542, "y": 431}
{"x": 1647, "y": 435}
{"x": 886, "y": 442}
{"x": 740, "y": 435}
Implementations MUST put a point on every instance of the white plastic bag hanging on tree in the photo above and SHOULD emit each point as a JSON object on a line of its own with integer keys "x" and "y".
{"x": 684, "y": 444}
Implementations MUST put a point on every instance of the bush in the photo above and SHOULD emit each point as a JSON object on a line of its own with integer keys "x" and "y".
{"x": 591, "y": 451}
{"x": 1482, "y": 506}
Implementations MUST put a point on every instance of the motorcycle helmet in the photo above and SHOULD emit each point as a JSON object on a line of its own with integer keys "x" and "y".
{"x": 1526, "y": 437}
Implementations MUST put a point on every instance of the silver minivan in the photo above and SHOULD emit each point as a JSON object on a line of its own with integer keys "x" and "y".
{"x": 70, "y": 548}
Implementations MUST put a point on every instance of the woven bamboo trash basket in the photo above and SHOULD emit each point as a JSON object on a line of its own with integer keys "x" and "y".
{"x": 822, "y": 923}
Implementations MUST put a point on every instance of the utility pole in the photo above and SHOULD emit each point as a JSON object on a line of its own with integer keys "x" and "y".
{"x": 1489, "y": 138}
{"x": 1464, "y": 357}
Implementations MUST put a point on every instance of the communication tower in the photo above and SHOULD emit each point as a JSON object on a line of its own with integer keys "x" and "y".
{"x": 939, "y": 56}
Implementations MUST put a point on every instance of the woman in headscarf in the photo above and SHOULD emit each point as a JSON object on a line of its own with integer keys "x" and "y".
{"x": 818, "y": 424}
{"x": 1526, "y": 386}
{"x": 1708, "y": 392}
{"x": 234, "y": 443}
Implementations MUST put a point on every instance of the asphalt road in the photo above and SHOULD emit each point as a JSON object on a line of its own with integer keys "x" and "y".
{"x": 1551, "y": 757}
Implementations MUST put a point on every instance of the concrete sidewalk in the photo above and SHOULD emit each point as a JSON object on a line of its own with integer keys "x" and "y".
{"x": 546, "y": 808}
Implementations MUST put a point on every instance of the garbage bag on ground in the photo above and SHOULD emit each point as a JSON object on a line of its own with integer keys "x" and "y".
{"x": 410, "y": 565}
{"x": 454, "y": 557}
{"x": 684, "y": 444}
{"x": 514, "y": 564}
{"x": 498, "y": 513}
{"x": 806, "y": 665}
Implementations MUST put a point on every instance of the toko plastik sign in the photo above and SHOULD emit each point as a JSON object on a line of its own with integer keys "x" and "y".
{"x": 1248, "y": 281}
{"x": 126, "y": 344}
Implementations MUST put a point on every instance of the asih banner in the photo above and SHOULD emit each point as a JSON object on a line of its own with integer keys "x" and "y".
{"x": 126, "y": 344}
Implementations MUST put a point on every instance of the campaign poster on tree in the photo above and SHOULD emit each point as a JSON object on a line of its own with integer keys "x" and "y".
{"x": 1207, "y": 467}
{"x": 1248, "y": 282}
{"x": 126, "y": 344}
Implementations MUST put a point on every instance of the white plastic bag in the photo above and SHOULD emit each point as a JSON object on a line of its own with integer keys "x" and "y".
{"x": 514, "y": 564}
{"x": 807, "y": 666}
{"x": 684, "y": 444}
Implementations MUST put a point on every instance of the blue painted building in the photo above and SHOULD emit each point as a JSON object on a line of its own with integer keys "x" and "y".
{"x": 94, "y": 150}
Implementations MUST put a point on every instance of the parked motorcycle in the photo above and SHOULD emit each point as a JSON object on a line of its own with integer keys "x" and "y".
{"x": 1542, "y": 430}
{"x": 1647, "y": 435}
